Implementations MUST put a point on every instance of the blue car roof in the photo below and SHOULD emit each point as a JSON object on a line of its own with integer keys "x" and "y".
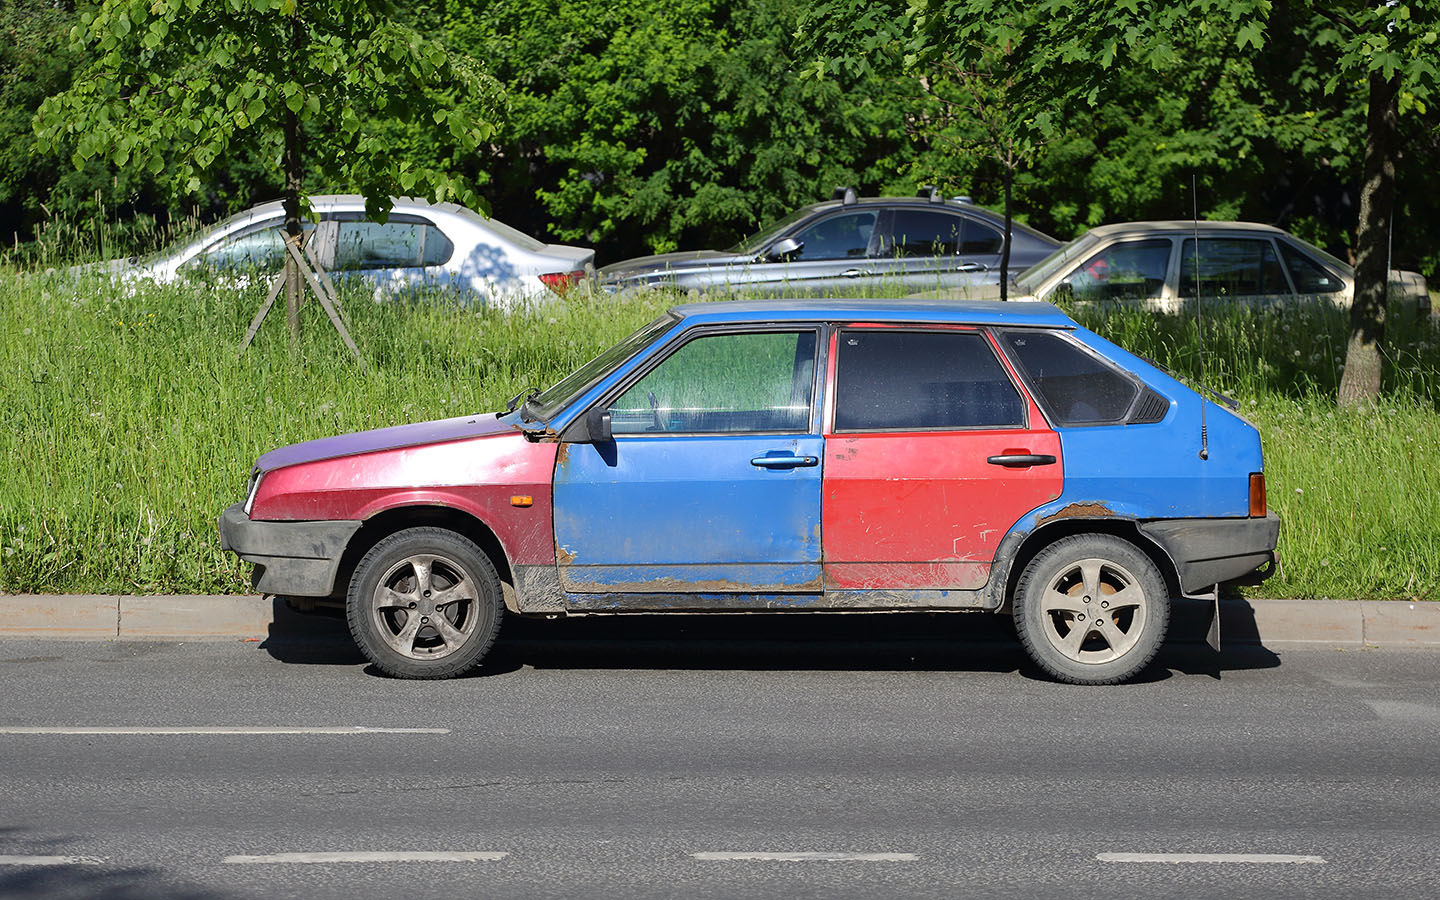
{"x": 959, "y": 312}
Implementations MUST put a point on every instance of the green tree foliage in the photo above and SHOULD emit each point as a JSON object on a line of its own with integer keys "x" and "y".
{"x": 647, "y": 125}
{"x": 175, "y": 85}
{"x": 1197, "y": 86}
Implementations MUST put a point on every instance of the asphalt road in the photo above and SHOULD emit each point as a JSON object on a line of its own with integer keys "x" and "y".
{"x": 860, "y": 757}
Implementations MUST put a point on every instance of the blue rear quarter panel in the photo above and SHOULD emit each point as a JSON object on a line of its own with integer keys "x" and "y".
{"x": 1154, "y": 471}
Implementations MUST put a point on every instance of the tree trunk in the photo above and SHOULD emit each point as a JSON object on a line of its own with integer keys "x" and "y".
{"x": 1360, "y": 382}
{"x": 1005, "y": 249}
{"x": 294, "y": 182}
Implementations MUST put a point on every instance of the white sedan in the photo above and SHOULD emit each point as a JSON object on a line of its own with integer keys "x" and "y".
{"x": 1156, "y": 265}
{"x": 420, "y": 244}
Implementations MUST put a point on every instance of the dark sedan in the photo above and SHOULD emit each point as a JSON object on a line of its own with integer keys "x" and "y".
{"x": 863, "y": 244}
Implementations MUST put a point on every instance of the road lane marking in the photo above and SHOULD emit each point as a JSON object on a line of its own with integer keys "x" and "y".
{"x": 369, "y": 856}
{"x": 806, "y": 856}
{"x": 50, "y": 861}
{"x": 1207, "y": 858}
{"x": 215, "y": 729}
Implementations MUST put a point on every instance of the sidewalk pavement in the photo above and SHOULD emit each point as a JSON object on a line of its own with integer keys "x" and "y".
{"x": 1338, "y": 623}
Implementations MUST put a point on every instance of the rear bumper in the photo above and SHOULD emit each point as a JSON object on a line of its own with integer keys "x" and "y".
{"x": 1214, "y": 551}
{"x": 297, "y": 559}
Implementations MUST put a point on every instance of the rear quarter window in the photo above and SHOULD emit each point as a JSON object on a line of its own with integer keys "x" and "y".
{"x": 1074, "y": 386}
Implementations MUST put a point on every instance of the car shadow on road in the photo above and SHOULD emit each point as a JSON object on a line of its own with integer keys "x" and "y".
{"x": 960, "y": 642}
{"x": 84, "y": 876}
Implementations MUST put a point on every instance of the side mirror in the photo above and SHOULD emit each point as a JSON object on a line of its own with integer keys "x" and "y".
{"x": 783, "y": 248}
{"x": 597, "y": 426}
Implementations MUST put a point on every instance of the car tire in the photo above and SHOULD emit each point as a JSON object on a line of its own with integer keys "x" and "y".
{"x": 424, "y": 603}
{"x": 1091, "y": 609}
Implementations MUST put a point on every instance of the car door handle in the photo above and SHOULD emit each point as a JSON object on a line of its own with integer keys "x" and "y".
{"x": 853, "y": 273}
{"x": 785, "y": 462}
{"x": 970, "y": 267}
{"x": 1021, "y": 460}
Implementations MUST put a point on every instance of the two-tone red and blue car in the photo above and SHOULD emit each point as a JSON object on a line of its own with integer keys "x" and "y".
{"x": 825, "y": 456}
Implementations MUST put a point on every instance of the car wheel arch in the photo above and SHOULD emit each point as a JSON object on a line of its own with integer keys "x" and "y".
{"x": 1011, "y": 561}
{"x": 395, "y": 519}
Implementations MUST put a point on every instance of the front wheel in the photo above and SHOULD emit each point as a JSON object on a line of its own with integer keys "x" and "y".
{"x": 424, "y": 603}
{"x": 1091, "y": 609}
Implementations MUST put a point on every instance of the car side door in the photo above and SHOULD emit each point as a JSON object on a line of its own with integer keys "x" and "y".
{"x": 934, "y": 249}
{"x": 834, "y": 252}
{"x": 708, "y": 493}
{"x": 932, "y": 455}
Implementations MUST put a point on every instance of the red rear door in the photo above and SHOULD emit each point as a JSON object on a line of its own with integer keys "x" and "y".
{"x": 932, "y": 453}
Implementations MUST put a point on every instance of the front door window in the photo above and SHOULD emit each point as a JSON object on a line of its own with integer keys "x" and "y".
{"x": 1129, "y": 270}
{"x": 724, "y": 384}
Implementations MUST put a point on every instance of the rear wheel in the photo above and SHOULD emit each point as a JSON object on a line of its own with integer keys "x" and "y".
{"x": 424, "y": 603}
{"x": 1091, "y": 609}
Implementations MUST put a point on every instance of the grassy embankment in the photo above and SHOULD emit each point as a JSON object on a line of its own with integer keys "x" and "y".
{"x": 129, "y": 424}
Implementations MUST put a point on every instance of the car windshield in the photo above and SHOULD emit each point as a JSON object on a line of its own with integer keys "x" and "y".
{"x": 543, "y": 406}
{"x": 1029, "y": 282}
{"x": 757, "y": 241}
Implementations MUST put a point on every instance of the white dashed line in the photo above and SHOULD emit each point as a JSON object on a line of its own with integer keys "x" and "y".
{"x": 50, "y": 861}
{"x": 806, "y": 856}
{"x": 1207, "y": 858}
{"x": 370, "y": 856}
{"x": 216, "y": 729}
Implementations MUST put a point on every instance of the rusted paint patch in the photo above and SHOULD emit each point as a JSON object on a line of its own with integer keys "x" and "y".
{"x": 1092, "y": 510}
{"x": 565, "y": 555}
{"x": 562, "y": 454}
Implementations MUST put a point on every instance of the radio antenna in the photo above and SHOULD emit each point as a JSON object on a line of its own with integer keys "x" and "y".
{"x": 1199, "y": 314}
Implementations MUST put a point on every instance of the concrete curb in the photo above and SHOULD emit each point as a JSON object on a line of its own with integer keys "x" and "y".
{"x": 1337, "y": 623}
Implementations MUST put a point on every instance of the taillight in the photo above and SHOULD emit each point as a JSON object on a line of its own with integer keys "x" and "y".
{"x": 560, "y": 282}
{"x": 1257, "y": 495}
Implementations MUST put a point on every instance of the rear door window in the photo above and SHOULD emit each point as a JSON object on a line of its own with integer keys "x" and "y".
{"x": 1233, "y": 267}
{"x": 402, "y": 242}
{"x": 1073, "y": 385}
{"x": 922, "y": 380}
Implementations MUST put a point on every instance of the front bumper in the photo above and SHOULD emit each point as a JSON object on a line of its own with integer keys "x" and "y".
{"x": 1215, "y": 551}
{"x": 296, "y": 559}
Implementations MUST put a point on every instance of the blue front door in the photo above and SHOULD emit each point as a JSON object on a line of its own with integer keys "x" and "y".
{"x": 709, "y": 495}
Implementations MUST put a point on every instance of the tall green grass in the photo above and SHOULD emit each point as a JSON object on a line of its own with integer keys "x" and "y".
{"x": 129, "y": 424}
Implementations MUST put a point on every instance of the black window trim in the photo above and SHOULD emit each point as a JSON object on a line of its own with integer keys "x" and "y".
{"x": 930, "y": 328}
{"x": 817, "y": 377}
{"x": 1068, "y": 334}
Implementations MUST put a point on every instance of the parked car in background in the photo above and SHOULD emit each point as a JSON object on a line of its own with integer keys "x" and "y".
{"x": 419, "y": 244}
{"x": 764, "y": 456}
{"x": 849, "y": 243}
{"x": 1154, "y": 264}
